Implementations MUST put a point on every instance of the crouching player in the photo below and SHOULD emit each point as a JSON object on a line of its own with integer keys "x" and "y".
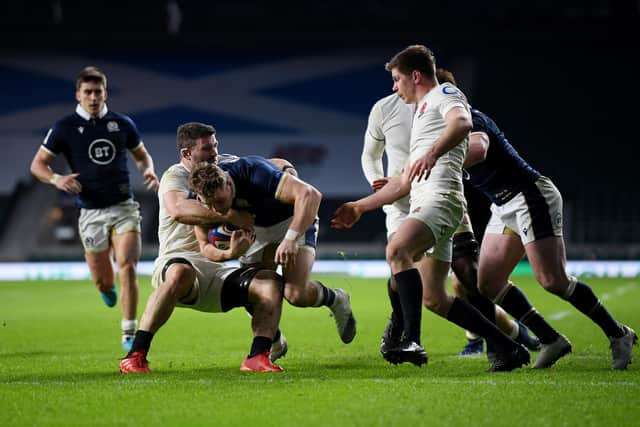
{"x": 184, "y": 277}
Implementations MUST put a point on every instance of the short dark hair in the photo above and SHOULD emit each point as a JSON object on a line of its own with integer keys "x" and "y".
{"x": 446, "y": 76}
{"x": 206, "y": 179}
{"x": 91, "y": 74}
{"x": 188, "y": 133}
{"x": 415, "y": 57}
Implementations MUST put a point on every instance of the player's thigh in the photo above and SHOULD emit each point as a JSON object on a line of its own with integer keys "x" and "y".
{"x": 411, "y": 240}
{"x": 499, "y": 255}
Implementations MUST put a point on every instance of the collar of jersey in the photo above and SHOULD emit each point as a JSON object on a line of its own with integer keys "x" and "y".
{"x": 85, "y": 115}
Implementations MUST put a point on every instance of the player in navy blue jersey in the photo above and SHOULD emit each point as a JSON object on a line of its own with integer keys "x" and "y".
{"x": 526, "y": 218}
{"x": 285, "y": 213}
{"x": 95, "y": 142}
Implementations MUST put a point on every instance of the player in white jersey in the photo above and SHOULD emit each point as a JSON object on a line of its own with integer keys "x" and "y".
{"x": 389, "y": 132}
{"x": 434, "y": 180}
{"x": 184, "y": 277}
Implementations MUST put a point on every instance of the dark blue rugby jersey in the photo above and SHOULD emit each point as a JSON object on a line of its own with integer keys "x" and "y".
{"x": 503, "y": 173}
{"x": 256, "y": 181}
{"x": 97, "y": 150}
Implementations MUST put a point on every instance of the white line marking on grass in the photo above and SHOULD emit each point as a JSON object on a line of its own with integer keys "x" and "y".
{"x": 560, "y": 315}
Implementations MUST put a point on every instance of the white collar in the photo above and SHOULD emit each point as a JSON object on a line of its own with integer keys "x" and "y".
{"x": 85, "y": 115}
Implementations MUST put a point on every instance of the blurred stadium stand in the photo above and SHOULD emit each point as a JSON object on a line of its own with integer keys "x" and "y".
{"x": 297, "y": 81}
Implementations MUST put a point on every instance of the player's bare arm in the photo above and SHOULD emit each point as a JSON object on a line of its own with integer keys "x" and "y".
{"x": 240, "y": 241}
{"x": 458, "y": 124}
{"x": 306, "y": 201}
{"x": 41, "y": 169}
{"x": 478, "y": 148}
{"x": 349, "y": 213}
{"x": 144, "y": 163}
{"x": 192, "y": 212}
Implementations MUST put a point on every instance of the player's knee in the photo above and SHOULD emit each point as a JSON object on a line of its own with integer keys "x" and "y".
{"x": 396, "y": 253}
{"x": 299, "y": 295}
{"x": 555, "y": 283}
{"x": 179, "y": 280}
{"x": 434, "y": 304}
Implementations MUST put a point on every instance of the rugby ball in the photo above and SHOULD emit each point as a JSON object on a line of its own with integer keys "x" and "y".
{"x": 220, "y": 235}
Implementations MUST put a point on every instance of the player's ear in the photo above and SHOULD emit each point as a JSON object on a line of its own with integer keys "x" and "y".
{"x": 106, "y": 94}
{"x": 78, "y": 95}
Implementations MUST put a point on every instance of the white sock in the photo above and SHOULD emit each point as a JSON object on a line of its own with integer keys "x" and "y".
{"x": 129, "y": 325}
{"x": 471, "y": 336}
{"x": 515, "y": 330}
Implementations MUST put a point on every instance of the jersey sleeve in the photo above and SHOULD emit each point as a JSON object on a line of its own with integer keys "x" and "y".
{"x": 263, "y": 175}
{"x": 451, "y": 97}
{"x": 374, "y": 141}
{"x": 479, "y": 123}
{"x": 174, "y": 179}
{"x": 53, "y": 142}
{"x": 133, "y": 139}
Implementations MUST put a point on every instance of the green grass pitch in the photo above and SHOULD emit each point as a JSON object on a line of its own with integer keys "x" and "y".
{"x": 59, "y": 353}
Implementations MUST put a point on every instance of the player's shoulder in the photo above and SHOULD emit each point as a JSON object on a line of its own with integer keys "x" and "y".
{"x": 67, "y": 121}
{"x": 176, "y": 169}
{"x": 388, "y": 103}
{"x": 120, "y": 117}
{"x": 447, "y": 90}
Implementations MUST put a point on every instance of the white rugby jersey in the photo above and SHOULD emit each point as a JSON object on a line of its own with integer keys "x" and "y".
{"x": 428, "y": 125}
{"x": 175, "y": 238}
{"x": 388, "y": 130}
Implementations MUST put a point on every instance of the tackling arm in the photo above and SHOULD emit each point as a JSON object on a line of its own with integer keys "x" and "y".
{"x": 192, "y": 212}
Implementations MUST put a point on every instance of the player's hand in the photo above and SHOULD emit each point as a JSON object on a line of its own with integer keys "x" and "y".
{"x": 346, "y": 216}
{"x": 69, "y": 183}
{"x": 151, "y": 180}
{"x": 240, "y": 242}
{"x": 241, "y": 219}
{"x": 286, "y": 253}
{"x": 379, "y": 183}
{"x": 421, "y": 168}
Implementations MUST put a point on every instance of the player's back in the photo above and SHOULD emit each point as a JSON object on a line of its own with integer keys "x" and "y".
{"x": 257, "y": 183}
{"x": 504, "y": 172}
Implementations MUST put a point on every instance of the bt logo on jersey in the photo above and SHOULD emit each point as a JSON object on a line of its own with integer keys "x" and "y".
{"x": 102, "y": 151}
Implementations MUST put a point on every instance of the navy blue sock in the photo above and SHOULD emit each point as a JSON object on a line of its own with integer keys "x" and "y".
{"x": 515, "y": 303}
{"x": 588, "y": 303}
{"x": 468, "y": 317}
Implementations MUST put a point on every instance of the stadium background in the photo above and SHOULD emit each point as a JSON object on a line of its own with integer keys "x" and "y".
{"x": 297, "y": 81}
